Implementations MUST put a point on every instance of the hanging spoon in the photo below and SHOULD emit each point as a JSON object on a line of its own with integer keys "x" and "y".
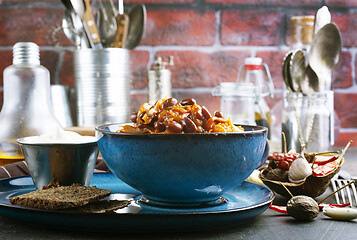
{"x": 324, "y": 54}
{"x": 137, "y": 16}
{"x": 297, "y": 69}
{"x": 286, "y": 71}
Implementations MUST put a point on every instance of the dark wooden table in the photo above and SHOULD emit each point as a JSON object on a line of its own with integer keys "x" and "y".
{"x": 269, "y": 225}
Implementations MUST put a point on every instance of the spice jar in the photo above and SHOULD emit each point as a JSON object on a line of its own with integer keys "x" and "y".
{"x": 301, "y": 31}
{"x": 27, "y": 108}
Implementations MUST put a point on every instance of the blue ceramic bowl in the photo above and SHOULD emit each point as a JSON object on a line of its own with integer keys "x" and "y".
{"x": 183, "y": 169}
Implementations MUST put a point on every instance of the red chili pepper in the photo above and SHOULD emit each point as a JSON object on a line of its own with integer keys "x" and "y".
{"x": 282, "y": 164}
{"x": 280, "y": 209}
{"x": 322, "y": 205}
{"x": 326, "y": 161}
{"x": 289, "y": 157}
{"x": 325, "y": 169}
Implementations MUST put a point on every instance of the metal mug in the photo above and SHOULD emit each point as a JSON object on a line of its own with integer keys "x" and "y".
{"x": 65, "y": 163}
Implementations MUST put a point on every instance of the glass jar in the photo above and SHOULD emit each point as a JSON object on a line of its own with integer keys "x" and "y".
{"x": 237, "y": 101}
{"x": 309, "y": 120}
{"x": 301, "y": 31}
{"x": 27, "y": 108}
{"x": 255, "y": 72}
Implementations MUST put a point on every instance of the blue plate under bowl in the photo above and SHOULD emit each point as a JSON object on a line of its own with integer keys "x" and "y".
{"x": 245, "y": 201}
{"x": 183, "y": 169}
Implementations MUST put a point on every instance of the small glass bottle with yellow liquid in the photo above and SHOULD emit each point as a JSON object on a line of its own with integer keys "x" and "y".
{"x": 26, "y": 109}
{"x": 257, "y": 73}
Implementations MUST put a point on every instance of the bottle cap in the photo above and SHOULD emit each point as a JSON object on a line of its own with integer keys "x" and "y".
{"x": 253, "y": 61}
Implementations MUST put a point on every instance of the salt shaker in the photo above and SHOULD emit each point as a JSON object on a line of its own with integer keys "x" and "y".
{"x": 159, "y": 80}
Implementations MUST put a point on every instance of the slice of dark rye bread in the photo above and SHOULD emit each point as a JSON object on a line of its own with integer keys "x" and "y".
{"x": 102, "y": 206}
{"x": 60, "y": 197}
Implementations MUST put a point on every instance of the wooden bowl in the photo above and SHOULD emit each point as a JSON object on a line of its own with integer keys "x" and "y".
{"x": 313, "y": 186}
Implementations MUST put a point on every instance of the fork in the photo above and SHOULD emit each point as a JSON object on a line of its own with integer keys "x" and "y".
{"x": 347, "y": 194}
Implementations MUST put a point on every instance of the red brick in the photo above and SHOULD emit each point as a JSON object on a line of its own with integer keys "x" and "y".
{"x": 250, "y": 27}
{"x": 35, "y": 24}
{"x": 268, "y": 2}
{"x": 49, "y": 59}
{"x": 27, "y": 1}
{"x": 199, "y": 69}
{"x": 5, "y": 61}
{"x": 136, "y": 100}
{"x": 180, "y": 27}
{"x": 347, "y": 24}
{"x": 345, "y": 107}
{"x": 161, "y": 1}
{"x": 341, "y": 3}
{"x": 274, "y": 60}
{"x": 139, "y": 65}
{"x": 342, "y": 74}
{"x": 67, "y": 74}
{"x": 344, "y": 137}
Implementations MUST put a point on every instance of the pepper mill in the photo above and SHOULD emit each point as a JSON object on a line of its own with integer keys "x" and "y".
{"x": 159, "y": 80}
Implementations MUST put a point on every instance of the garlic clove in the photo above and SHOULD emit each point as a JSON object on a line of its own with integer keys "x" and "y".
{"x": 299, "y": 169}
{"x": 340, "y": 213}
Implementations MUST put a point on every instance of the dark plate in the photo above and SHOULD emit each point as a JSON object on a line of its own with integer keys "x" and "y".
{"x": 244, "y": 202}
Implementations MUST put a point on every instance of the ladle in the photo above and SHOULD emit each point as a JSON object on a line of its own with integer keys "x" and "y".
{"x": 137, "y": 17}
{"x": 324, "y": 54}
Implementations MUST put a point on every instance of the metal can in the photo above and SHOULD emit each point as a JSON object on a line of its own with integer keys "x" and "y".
{"x": 102, "y": 83}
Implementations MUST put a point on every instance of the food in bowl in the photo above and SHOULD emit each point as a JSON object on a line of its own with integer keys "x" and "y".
{"x": 170, "y": 116}
{"x": 182, "y": 169}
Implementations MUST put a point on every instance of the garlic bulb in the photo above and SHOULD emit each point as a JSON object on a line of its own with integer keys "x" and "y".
{"x": 299, "y": 169}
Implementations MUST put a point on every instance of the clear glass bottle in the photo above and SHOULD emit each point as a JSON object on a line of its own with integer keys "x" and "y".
{"x": 26, "y": 109}
{"x": 255, "y": 72}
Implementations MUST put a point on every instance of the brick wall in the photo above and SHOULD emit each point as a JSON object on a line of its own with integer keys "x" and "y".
{"x": 209, "y": 40}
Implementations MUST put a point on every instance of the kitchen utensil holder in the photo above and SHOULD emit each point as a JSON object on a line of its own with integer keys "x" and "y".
{"x": 102, "y": 84}
{"x": 309, "y": 120}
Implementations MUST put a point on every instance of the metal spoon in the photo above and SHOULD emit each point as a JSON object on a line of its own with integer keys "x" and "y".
{"x": 324, "y": 54}
{"x": 107, "y": 24}
{"x": 310, "y": 83}
{"x": 137, "y": 17}
{"x": 69, "y": 30}
{"x": 322, "y": 17}
{"x": 286, "y": 71}
{"x": 297, "y": 69}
